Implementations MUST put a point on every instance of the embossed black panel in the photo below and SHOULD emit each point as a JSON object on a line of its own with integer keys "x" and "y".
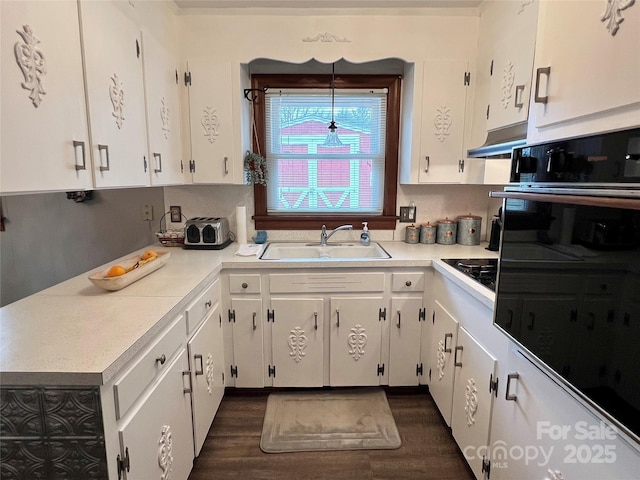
{"x": 23, "y": 459}
{"x": 71, "y": 412}
{"x": 78, "y": 459}
{"x": 20, "y": 412}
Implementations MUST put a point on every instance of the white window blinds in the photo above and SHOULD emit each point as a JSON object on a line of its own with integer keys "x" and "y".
{"x": 306, "y": 175}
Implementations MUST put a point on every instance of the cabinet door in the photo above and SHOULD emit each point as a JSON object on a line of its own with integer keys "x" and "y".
{"x": 512, "y": 63}
{"x": 45, "y": 140}
{"x": 444, "y": 96}
{"x": 158, "y": 437}
{"x": 211, "y": 121}
{"x": 593, "y": 71}
{"x": 356, "y": 335}
{"x": 472, "y": 399}
{"x": 248, "y": 357}
{"x": 445, "y": 337}
{"x": 206, "y": 357}
{"x": 163, "y": 113}
{"x": 297, "y": 342}
{"x": 405, "y": 330}
{"x": 115, "y": 92}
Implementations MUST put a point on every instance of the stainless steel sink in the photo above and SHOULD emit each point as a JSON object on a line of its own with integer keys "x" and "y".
{"x": 314, "y": 251}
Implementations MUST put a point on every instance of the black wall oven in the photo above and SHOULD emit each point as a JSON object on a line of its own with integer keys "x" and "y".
{"x": 568, "y": 284}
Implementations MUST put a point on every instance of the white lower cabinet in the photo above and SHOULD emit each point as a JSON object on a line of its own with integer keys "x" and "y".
{"x": 156, "y": 438}
{"x": 405, "y": 326}
{"x": 206, "y": 357}
{"x": 356, "y": 341}
{"x": 297, "y": 346}
{"x": 472, "y": 398}
{"x": 445, "y": 337}
{"x": 246, "y": 319}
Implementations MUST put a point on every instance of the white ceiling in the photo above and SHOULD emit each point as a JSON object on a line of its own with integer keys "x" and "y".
{"x": 185, "y": 4}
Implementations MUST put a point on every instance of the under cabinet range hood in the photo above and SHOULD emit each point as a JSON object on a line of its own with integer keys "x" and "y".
{"x": 501, "y": 141}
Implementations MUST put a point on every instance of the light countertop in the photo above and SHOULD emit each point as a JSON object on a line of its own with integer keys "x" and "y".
{"x": 75, "y": 333}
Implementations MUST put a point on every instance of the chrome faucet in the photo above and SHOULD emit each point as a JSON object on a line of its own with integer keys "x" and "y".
{"x": 324, "y": 236}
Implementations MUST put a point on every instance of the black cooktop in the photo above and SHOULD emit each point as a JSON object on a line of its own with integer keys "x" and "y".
{"x": 482, "y": 270}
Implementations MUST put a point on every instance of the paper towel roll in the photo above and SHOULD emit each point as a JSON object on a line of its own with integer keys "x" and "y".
{"x": 241, "y": 221}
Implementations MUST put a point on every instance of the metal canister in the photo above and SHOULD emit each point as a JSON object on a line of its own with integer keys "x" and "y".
{"x": 428, "y": 233}
{"x": 469, "y": 227}
{"x": 446, "y": 234}
{"x": 411, "y": 234}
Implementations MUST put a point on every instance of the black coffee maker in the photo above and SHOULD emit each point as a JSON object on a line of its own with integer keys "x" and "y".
{"x": 496, "y": 227}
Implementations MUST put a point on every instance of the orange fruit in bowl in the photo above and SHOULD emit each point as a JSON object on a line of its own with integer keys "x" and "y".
{"x": 116, "y": 271}
{"x": 149, "y": 254}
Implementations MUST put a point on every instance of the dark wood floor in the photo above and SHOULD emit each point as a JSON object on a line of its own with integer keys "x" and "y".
{"x": 232, "y": 449}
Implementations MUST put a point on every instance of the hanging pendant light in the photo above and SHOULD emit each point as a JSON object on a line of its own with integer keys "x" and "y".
{"x": 332, "y": 139}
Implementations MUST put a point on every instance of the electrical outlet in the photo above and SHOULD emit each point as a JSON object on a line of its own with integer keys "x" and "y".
{"x": 176, "y": 214}
{"x": 407, "y": 214}
{"x": 147, "y": 212}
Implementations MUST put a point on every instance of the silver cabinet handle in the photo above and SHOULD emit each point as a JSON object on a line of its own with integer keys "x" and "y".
{"x": 398, "y": 324}
{"x": 158, "y": 167}
{"x": 187, "y": 373}
{"x": 507, "y": 395}
{"x": 456, "y": 363}
{"x": 254, "y": 320}
{"x": 426, "y": 165}
{"x": 197, "y": 357}
{"x": 77, "y": 144}
{"x": 244, "y": 285}
{"x": 226, "y": 165}
{"x": 408, "y": 283}
{"x": 518, "y": 98}
{"x": 447, "y": 335}
{"x": 161, "y": 359}
{"x": 106, "y": 154}
{"x": 338, "y": 318}
{"x": 539, "y": 72}
{"x": 315, "y": 320}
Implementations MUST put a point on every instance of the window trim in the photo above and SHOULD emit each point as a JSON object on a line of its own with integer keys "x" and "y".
{"x": 285, "y": 221}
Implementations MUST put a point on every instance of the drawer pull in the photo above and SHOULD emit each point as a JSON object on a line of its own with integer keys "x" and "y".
{"x": 539, "y": 72}
{"x": 197, "y": 357}
{"x": 104, "y": 148}
{"x": 507, "y": 395}
{"x": 161, "y": 359}
{"x": 244, "y": 285}
{"x": 76, "y": 144}
{"x": 519, "y": 103}
{"x": 447, "y": 335}
{"x": 208, "y": 304}
{"x": 187, "y": 373}
{"x": 254, "y": 320}
{"x": 398, "y": 324}
{"x": 338, "y": 318}
{"x": 408, "y": 283}
{"x": 315, "y": 320}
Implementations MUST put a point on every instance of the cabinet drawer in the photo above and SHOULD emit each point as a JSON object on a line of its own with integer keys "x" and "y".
{"x": 604, "y": 284}
{"x": 326, "y": 282}
{"x": 244, "y": 283}
{"x": 148, "y": 366}
{"x": 407, "y": 282}
{"x": 202, "y": 305}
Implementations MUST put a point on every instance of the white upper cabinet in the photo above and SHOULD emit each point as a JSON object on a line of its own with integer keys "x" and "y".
{"x": 45, "y": 141}
{"x": 211, "y": 123}
{"x": 162, "y": 88}
{"x": 513, "y": 28}
{"x": 115, "y": 93}
{"x": 587, "y": 68}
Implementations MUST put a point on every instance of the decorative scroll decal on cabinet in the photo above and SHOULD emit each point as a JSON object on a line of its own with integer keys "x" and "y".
{"x": 471, "y": 401}
{"x": 297, "y": 344}
{"x": 612, "y": 14}
{"x": 164, "y": 116}
{"x": 442, "y": 122}
{"x": 440, "y": 361}
{"x": 326, "y": 37}
{"x": 210, "y": 123}
{"x": 165, "y": 452}
{"x": 32, "y": 64}
{"x": 508, "y": 78}
{"x": 210, "y": 374}
{"x": 357, "y": 340}
{"x": 116, "y": 93}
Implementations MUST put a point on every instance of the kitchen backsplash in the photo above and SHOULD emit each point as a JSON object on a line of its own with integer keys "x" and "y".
{"x": 49, "y": 239}
{"x": 433, "y": 202}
